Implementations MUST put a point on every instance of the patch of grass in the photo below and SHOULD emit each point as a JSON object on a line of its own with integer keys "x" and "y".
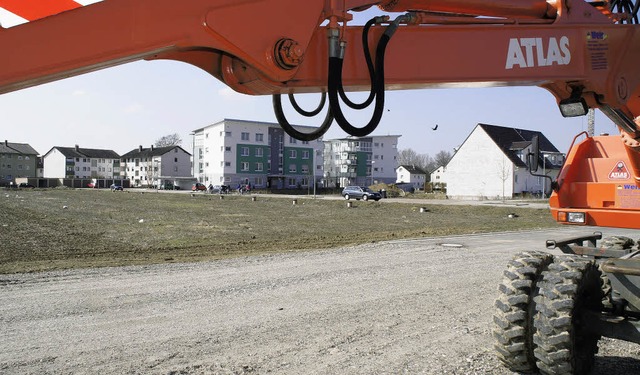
{"x": 58, "y": 229}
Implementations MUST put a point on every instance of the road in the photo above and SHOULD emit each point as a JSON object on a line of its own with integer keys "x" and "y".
{"x": 419, "y": 306}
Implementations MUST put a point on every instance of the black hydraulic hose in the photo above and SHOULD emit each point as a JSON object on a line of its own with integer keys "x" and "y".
{"x": 301, "y": 111}
{"x": 288, "y": 128}
{"x": 335, "y": 81}
{"x": 634, "y": 12}
{"x": 370, "y": 68}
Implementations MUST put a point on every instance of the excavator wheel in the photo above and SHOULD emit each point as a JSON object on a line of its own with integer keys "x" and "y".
{"x": 570, "y": 287}
{"x": 515, "y": 309}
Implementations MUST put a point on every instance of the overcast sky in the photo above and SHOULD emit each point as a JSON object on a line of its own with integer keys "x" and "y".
{"x": 135, "y": 104}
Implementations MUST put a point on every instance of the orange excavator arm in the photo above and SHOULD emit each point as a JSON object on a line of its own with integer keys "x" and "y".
{"x": 585, "y": 53}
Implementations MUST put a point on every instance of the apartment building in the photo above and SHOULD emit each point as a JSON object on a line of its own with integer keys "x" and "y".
{"x": 77, "y": 162}
{"x": 147, "y": 166}
{"x": 16, "y": 160}
{"x": 261, "y": 154}
{"x": 360, "y": 161}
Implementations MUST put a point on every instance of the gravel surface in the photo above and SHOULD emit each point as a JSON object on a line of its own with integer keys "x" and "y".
{"x": 419, "y": 306}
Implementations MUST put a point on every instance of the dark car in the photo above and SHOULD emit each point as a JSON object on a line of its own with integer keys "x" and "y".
{"x": 198, "y": 187}
{"x": 359, "y": 192}
{"x": 115, "y": 187}
{"x": 24, "y": 185}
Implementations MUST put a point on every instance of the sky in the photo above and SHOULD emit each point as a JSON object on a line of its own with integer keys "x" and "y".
{"x": 134, "y": 104}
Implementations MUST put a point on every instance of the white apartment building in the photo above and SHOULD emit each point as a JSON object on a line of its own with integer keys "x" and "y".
{"x": 147, "y": 166}
{"x": 360, "y": 161}
{"x": 261, "y": 154}
{"x": 76, "y": 162}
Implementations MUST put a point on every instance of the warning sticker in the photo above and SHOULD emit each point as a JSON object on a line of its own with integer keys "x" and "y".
{"x": 619, "y": 172}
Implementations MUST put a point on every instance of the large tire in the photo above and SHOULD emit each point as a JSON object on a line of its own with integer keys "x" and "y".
{"x": 570, "y": 287}
{"x": 515, "y": 310}
{"x": 347, "y": 197}
{"x": 365, "y": 197}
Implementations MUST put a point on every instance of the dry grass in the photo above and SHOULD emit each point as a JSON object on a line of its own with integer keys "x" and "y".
{"x": 101, "y": 228}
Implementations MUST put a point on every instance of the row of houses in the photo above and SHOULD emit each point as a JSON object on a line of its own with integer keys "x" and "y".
{"x": 490, "y": 163}
{"x": 229, "y": 152}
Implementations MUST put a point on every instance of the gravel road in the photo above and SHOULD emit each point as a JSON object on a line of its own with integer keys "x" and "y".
{"x": 408, "y": 307}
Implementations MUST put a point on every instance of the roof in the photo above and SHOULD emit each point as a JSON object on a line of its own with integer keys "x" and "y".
{"x": 150, "y": 152}
{"x": 511, "y": 140}
{"x": 78, "y": 152}
{"x": 16, "y": 148}
{"x": 413, "y": 169}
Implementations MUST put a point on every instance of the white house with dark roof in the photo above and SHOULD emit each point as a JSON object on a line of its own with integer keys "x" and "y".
{"x": 16, "y": 160}
{"x": 77, "y": 162}
{"x": 146, "y": 166}
{"x": 491, "y": 164}
{"x": 410, "y": 174}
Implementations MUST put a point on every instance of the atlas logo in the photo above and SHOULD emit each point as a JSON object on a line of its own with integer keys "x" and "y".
{"x": 619, "y": 172}
{"x": 536, "y": 52}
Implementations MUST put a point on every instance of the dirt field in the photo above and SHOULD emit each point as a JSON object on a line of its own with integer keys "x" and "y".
{"x": 403, "y": 307}
{"x": 60, "y": 229}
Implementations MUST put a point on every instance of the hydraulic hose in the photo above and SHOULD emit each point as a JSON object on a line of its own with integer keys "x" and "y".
{"x": 289, "y": 129}
{"x": 335, "y": 82}
{"x": 370, "y": 68}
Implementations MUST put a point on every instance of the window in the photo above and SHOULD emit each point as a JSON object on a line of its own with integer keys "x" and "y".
{"x": 258, "y": 181}
{"x": 305, "y": 182}
{"x": 291, "y": 181}
{"x": 175, "y": 160}
{"x": 227, "y": 163}
{"x": 305, "y": 154}
{"x": 259, "y": 152}
{"x": 227, "y": 134}
{"x": 293, "y": 154}
{"x": 245, "y": 151}
{"x": 305, "y": 142}
{"x": 20, "y": 167}
{"x": 19, "y": 157}
{"x": 244, "y": 136}
{"x": 244, "y": 166}
{"x": 259, "y": 167}
{"x": 293, "y": 168}
{"x": 304, "y": 169}
{"x": 259, "y": 137}
{"x": 292, "y": 140}
{"x": 227, "y": 149}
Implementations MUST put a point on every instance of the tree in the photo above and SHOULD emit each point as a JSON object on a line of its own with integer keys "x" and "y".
{"x": 410, "y": 157}
{"x": 168, "y": 140}
{"x": 442, "y": 158}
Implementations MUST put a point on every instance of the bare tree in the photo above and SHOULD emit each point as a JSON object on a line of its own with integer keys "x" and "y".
{"x": 504, "y": 172}
{"x": 442, "y": 158}
{"x": 410, "y": 157}
{"x": 168, "y": 140}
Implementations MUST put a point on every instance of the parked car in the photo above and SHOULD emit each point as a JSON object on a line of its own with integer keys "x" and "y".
{"x": 24, "y": 185}
{"x": 360, "y": 192}
{"x": 115, "y": 187}
{"x": 168, "y": 186}
{"x": 198, "y": 187}
{"x": 220, "y": 189}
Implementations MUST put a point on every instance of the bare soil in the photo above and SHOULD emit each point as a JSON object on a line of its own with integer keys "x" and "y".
{"x": 61, "y": 229}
